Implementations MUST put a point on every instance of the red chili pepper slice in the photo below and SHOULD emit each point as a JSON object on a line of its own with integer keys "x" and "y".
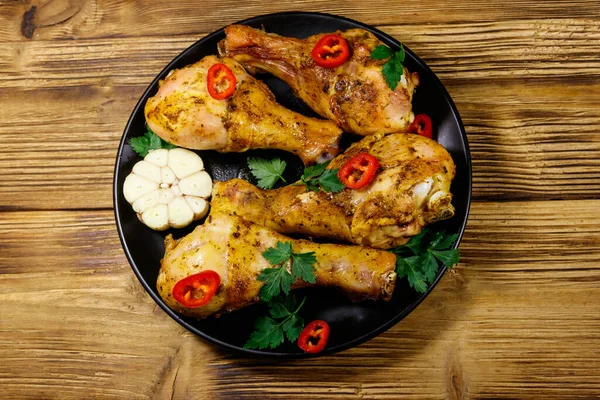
{"x": 422, "y": 126}
{"x": 358, "y": 171}
{"x": 220, "y": 82}
{"x": 314, "y": 336}
{"x": 196, "y": 290}
{"x": 330, "y": 51}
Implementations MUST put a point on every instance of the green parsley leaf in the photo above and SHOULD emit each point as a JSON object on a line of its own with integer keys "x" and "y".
{"x": 400, "y": 55}
{"x": 276, "y": 280}
{"x": 288, "y": 308}
{"x": 313, "y": 171}
{"x": 267, "y": 333}
{"x": 302, "y": 266}
{"x": 418, "y": 260}
{"x": 282, "y": 306}
{"x": 434, "y": 239}
{"x": 404, "y": 265}
{"x": 446, "y": 242}
{"x": 279, "y": 279}
{"x": 414, "y": 245}
{"x": 382, "y": 52}
{"x": 415, "y": 277}
{"x": 270, "y": 333}
{"x": 318, "y": 177}
{"x": 154, "y": 141}
{"x": 312, "y": 186}
{"x": 447, "y": 257}
{"x": 143, "y": 144}
{"x": 267, "y": 172}
{"x": 417, "y": 281}
{"x": 392, "y": 70}
{"x": 278, "y": 254}
{"x": 293, "y": 327}
{"x": 330, "y": 182}
{"x": 430, "y": 267}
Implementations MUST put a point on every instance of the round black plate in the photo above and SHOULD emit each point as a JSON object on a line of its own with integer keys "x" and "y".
{"x": 351, "y": 323}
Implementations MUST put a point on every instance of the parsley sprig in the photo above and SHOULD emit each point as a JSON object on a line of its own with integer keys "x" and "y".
{"x": 284, "y": 321}
{"x": 267, "y": 172}
{"x": 279, "y": 279}
{"x": 318, "y": 177}
{"x": 419, "y": 259}
{"x": 143, "y": 144}
{"x": 392, "y": 70}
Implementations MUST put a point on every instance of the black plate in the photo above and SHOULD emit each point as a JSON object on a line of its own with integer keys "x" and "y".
{"x": 351, "y": 323}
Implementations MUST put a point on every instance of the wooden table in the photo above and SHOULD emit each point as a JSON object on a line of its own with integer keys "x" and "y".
{"x": 518, "y": 318}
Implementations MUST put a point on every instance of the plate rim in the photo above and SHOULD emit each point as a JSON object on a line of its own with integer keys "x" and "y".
{"x": 354, "y": 342}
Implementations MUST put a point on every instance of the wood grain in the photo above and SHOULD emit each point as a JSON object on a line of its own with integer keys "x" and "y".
{"x": 518, "y": 318}
{"x": 509, "y": 322}
{"x": 113, "y": 18}
{"x": 514, "y": 49}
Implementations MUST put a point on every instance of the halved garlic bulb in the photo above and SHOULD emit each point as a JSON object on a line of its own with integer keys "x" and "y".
{"x": 169, "y": 188}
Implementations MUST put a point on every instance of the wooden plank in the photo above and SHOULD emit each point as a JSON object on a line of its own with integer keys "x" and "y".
{"x": 75, "y": 19}
{"x": 517, "y": 318}
{"x": 511, "y": 49}
{"x": 60, "y": 151}
{"x": 532, "y": 138}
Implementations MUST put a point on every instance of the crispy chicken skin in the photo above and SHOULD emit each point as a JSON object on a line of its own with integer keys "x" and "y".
{"x": 411, "y": 190}
{"x": 183, "y": 113}
{"x": 354, "y": 95}
{"x": 233, "y": 247}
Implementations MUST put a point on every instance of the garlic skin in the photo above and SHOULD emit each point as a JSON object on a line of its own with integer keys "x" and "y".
{"x": 168, "y": 189}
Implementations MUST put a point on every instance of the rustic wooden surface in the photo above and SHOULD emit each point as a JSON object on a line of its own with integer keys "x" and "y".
{"x": 518, "y": 318}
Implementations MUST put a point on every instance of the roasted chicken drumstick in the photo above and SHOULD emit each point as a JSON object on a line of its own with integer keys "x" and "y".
{"x": 411, "y": 190}
{"x": 354, "y": 95}
{"x": 184, "y": 113}
{"x": 232, "y": 247}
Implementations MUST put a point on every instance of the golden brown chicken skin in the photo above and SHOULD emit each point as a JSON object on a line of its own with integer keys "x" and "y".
{"x": 233, "y": 247}
{"x": 183, "y": 113}
{"x": 410, "y": 190}
{"x": 354, "y": 95}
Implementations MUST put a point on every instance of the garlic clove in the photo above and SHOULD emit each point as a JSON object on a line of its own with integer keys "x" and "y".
{"x": 184, "y": 162}
{"x": 136, "y": 186}
{"x": 198, "y": 184}
{"x": 159, "y": 157}
{"x": 156, "y": 217}
{"x": 165, "y": 196}
{"x": 147, "y": 170}
{"x": 176, "y": 191}
{"x": 167, "y": 175}
{"x": 146, "y": 201}
{"x": 198, "y": 205}
{"x": 180, "y": 213}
